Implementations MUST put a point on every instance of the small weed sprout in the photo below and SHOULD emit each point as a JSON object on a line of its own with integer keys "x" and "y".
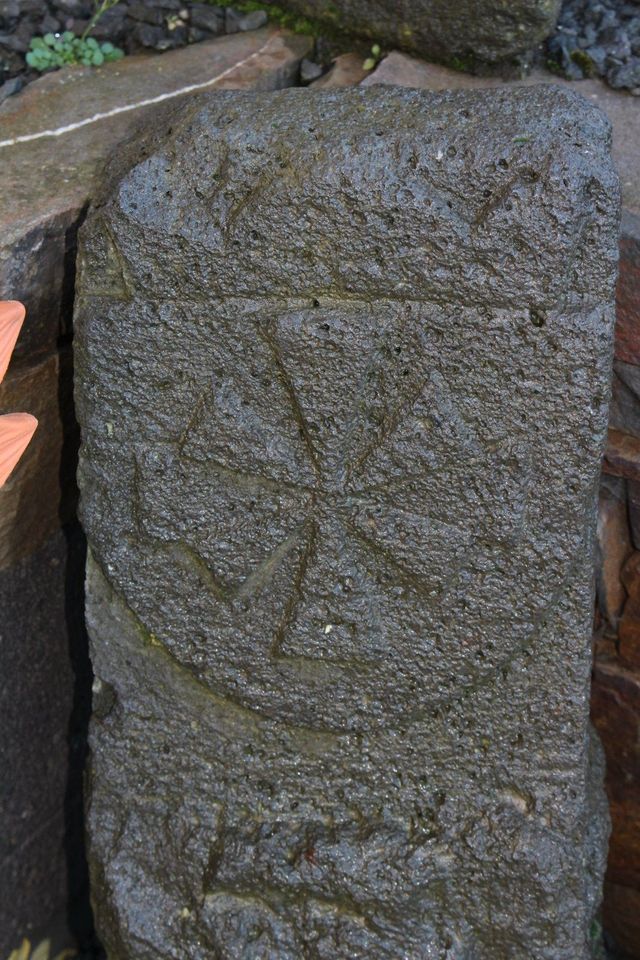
{"x": 372, "y": 60}
{"x": 63, "y": 49}
{"x": 41, "y": 952}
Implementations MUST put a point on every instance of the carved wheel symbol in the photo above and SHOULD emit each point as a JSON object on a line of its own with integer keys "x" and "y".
{"x": 312, "y": 508}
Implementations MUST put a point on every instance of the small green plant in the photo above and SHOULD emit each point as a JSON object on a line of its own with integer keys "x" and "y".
{"x": 62, "y": 49}
{"x": 53, "y": 51}
{"x": 41, "y": 952}
{"x": 284, "y": 18}
{"x": 372, "y": 60}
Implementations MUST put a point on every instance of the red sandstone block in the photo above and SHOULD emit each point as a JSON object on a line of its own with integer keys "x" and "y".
{"x": 614, "y": 548}
{"x": 615, "y": 711}
{"x": 622, "y": 456}
{"x": 628, "y": 292}
{"x": 629, "y": 625}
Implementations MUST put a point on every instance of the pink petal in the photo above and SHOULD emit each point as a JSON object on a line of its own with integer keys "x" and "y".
{"x": 16, "y": 430}
{"x": 11, "y": 317}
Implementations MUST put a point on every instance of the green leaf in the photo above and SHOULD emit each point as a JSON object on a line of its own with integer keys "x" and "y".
{"x": 49, "y": 39}
{"x": 38, "y": 43}
{"x": 97, "y": 58}
{"x": 68, "y": 36}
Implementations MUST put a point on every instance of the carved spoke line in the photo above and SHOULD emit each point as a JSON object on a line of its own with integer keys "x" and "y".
{"x": 283, "y": 376}
{"x": 405, "y": 404}
{"x": 408, "y": 397}
{"x": 308, "y": 534}
{"x": 254, "y": 480}
{"x": 258, "y": 577}
{"x": 194, "y": 420}
{"x": 388, "y": 428}
{"x": 262, "y": 573}
{"x": 296, "y": 595}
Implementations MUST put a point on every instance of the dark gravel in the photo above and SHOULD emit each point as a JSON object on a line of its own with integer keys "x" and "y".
{"x": 133, "y": 25}
{"x": 593, "y": 37}
{"x": 598, "y": 38}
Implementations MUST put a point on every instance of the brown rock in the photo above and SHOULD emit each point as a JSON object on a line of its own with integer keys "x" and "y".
{"x": 347, "y": 71}
{"x": 614, "y": 545}
{"x": 629, "y": 641}
{"x": 633, "y": 502}
{"x": 39, "y": 495}
{"x": 615, "y": 711}
{"x": 629, "y": 625}
{"x": 48, "y": 181}
{"x": 622, "y": 455}
{"x": 624, "y": 409}
{"x": 628, "y": 292}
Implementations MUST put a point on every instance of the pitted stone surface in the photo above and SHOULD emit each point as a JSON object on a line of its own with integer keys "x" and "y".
{"x": 343, "y": 377}
{"x": 488, "y": 30}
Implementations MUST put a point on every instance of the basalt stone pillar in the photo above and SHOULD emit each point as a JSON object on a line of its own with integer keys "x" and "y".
{"x": 344, "y": 363}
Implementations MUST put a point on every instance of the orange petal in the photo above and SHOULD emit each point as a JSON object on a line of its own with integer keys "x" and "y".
{"x": 11, "y": 317}
{"x": 16, "y": 430}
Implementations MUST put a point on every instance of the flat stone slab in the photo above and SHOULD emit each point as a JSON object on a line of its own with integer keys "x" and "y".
{"x": 56, "y": 136}
{"x": 622, "y": 109}
{"x": 343, "y": 367}
{"x": 346, "y": 71}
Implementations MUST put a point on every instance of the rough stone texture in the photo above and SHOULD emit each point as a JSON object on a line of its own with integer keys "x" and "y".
{"x": 621, "y": 109}
{"x": 489, "y": 30}
{"x": 47, "y": 184}
{"x": 343, "y": 369}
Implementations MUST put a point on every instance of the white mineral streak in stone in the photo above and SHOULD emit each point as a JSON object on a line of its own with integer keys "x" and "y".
{"x": 138, "y": 105}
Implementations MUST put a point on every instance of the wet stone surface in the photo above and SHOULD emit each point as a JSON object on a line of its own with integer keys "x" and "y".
{"x": 468, "y": 32}
{"x": 343, "y": 363}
